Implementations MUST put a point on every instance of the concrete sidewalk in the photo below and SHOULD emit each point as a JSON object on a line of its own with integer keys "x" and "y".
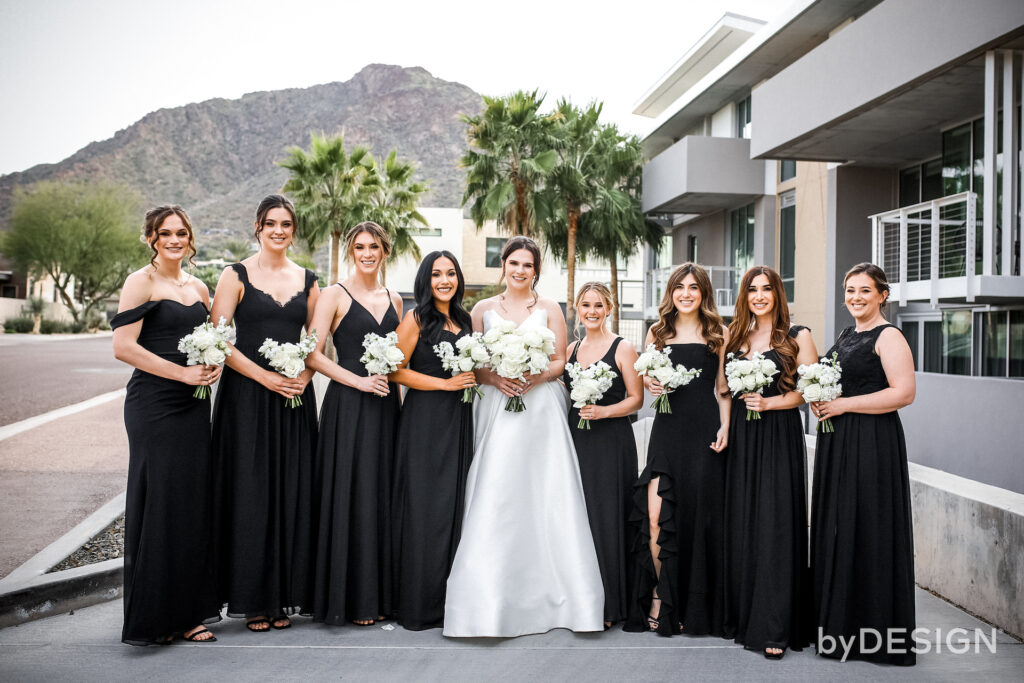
{"x": 85, "y": 646}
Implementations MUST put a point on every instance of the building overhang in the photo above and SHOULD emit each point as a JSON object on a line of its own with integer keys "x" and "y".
{"x": 801, "y": 27}
{"x": 701, "y": 175}
{"x": 850, "y": 99}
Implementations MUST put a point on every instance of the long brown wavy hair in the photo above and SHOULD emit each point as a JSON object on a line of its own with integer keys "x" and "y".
{"x": 707, "y": 314}
{"x": 743, "y": 321}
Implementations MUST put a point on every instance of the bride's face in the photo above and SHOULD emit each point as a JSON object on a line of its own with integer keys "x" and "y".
{"x": 519, "y": 270}
{"x": 593, "y": 310}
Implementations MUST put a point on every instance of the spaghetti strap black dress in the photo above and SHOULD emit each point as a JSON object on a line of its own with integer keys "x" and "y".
{"x": 169, "y": 583}
{"x": 432, "y": 457}
{"x": 691, "y": 485}
{"x": 265, "y": 455}
{"x": 608, "y": 466}
{"x": 355, "y": 459}
{"x": 862, "y": 536}
{"x": 768, "y": 595}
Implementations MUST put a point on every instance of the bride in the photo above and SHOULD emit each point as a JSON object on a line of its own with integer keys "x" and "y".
{"x": 526, "y": 562}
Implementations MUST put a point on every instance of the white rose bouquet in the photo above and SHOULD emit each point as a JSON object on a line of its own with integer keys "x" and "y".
{"x": 289, "y": 359}
{"x": 472, "y": 355}
{"x": 516, "y": 352}
{"x": 820, "y": 382}
{"x": 589, "y": 385}
{"x": 749, "y": 376}
{"x": 657, "y": 365}
{"x": 207, "y": 345}
{"x": 382, "y": 355}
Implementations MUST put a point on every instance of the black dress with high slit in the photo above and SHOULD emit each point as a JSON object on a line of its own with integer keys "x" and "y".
{"x": 432, "y": 457}
{"x": 691, "y": 485}
{"x": 608, "y": 465}
{"x": 355, "y": 459}
{"x": 265, "y": 450}
{"x": 169, "y": 583}
{"x": 862, "y": 535}
{"x": 768, "y": 596}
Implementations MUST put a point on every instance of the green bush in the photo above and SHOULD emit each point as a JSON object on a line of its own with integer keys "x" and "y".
{"x": 54, "y": 327}
{"x": 22, "y": 324}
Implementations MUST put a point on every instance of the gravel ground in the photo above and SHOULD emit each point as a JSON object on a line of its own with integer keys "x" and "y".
{"x": 106, "y": 545}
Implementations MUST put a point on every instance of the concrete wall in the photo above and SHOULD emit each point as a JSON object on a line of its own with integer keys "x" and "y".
{"x": 710, "y": 232}
{"x": 811, "y": 187}
{"x": 764, "y": 229}
{"x": 723, "y": 122}
{"x": 11, "y": 308}
{"x": 854, "y": 193}
{"x": 968, "y": 426}
{"x": 699, "y": 165}
{"x": 855, "y": 68}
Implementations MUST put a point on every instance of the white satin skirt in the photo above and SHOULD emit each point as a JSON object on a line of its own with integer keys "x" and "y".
{"x": 526, "y": 561}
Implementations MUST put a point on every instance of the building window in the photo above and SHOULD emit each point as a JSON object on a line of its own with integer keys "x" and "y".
{"x": 911, "y": 331}
{"x": 1000, "y": 343}
{"x": 691, "y": 248}
{"x": 424, "y": 231}
{"x": 743, "y": 118}
{"x": 494, "y": 247}
{"x": 947, "y": 343}
{"x": 787, "y": 242}
{"x": 787, "y": 170}
{"x": 741, "y": 243}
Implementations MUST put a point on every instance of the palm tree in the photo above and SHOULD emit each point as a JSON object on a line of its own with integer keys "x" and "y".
{"x": 237, "y": 249}
{"x": 394, "y": 202}
{"x": 511, "y": 152}
{"x": 330, "y": 187}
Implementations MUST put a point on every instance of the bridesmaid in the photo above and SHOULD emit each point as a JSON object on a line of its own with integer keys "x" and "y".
{"x": 355, "y": 451}
{"x": 265, "y": 448}
{"x": 607, "y": 451}
{"x": 865, "y": 580}
{"x": 168, "y": 573}
{"x": 767, "y": 582}
{"x": 679, "y": 499}
{"x": 434, "y": 447}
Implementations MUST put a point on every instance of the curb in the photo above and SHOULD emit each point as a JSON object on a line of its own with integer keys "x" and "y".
{"x": 30, "y": 593}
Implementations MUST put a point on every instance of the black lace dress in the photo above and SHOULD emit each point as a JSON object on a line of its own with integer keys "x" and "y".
{"x": 168, "y": 548}
{"x": 266, "y": 511}
{"x": 862, "y": 544}
{"x": 432, "y": 457}
{"x": 608, "y": 464}
{"x": 692, "y": 490}
{"x": 768, "y": 596}
{"x": 355, "y": 459}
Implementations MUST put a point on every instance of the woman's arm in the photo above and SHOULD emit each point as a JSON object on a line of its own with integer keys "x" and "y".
{"x": 807, "y": 355}
{"x": 898, "y": 364}
{"x": 625, "y": 357}
{"x": 331, "y": 307}
{"x": 408, "y": 336}
{"x": 225, "y": 301}
{"x": 723, "y": 398}
{"x": 135, "y": 292}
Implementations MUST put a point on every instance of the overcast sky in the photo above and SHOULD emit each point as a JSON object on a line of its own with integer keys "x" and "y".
{"x": 76, "y": 71}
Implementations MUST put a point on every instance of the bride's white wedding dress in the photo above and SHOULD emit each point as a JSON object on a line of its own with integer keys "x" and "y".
{"x": 526, "y": 561}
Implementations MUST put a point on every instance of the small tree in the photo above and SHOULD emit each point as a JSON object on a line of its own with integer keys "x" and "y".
{"x": 83, "y": 236}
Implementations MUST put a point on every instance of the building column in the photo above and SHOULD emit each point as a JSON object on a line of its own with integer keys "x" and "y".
{"x": 988, "y": 245}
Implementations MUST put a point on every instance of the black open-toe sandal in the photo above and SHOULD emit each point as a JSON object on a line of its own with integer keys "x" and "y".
{"x": 281, "y": 623}
{"x": 194, "y": 637}
{"x": 653, "y": 623}
{"x": 261, "y": 621}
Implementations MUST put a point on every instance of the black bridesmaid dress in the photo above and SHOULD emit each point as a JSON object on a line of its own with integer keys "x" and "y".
{"x": 355, "y": 458}
{"x": 265, "y": 469}
{"x": 432, "y": 457}
{"x": 692, "y": 491}
{"x": 862, "y": 541}
{"x": 169, "y": 582}
{"x": 768, "y": 596}
{"x": 608, "y": 465}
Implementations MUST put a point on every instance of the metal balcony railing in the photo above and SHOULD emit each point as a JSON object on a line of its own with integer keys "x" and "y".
{"x": 724, "y": 280}
{"x": 929, "y": 241}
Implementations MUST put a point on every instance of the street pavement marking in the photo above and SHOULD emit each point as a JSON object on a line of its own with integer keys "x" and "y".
{"x": 7, "y": 431}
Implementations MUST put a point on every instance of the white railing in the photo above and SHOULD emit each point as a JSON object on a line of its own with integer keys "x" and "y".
{"x": 724, "y": 280}
{"x": 927, "y": 242}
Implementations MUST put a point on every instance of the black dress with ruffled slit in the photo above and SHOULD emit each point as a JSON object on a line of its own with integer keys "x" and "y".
{"x": 355, "y": 461}
{"x": 691, "y": 484}
{"x": 768, "y": 596}
{"x": 169, "y": 582}
{"x": 267, "y": 505}
{"x": 862, "y": 533}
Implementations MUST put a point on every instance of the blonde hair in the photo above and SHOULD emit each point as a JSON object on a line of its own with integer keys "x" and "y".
{"x": 379, "y": 234}
{"x": 602, "y": 291}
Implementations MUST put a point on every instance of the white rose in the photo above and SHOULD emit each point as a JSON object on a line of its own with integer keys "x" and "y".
{"x": 663, "y": 374}
{"x": 394, "y": 355}
{"x": 479, "y": 354}
{"x": 293, "y": 368}
{"x": 812, "y": 392}
{"x": 749, "y": 383}
{"x": 465, "y": 364}
{"x": 735, "y": 385}
{"x": 213, "y": 356}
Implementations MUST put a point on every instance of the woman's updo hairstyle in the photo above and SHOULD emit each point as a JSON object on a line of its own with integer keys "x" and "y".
{"x": 379, "y": 234}
{"x": 876, "y": 274}
{"x": 273, "y": 201}
{"x": 155, "y": 217}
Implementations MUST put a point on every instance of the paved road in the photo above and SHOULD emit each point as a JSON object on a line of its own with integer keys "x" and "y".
{"x": 39, "y": 373}
{"x": 85, "y": 646}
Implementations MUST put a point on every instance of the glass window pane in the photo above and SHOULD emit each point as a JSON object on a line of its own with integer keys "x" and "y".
{"x": 910, "y": 186}
{"x": 932, "y": 346}
{"x": 956, "y": 160}
{"x": 787, "y": 249}
{"x": 993, "y": 343}
{"x": 931, "y": 180}
{"x": 910, "y": 331}
{"x": 494, "y": 247}
{"x": 1016, "y": 343}
{"x": 787, "y": 170}
{"x": 956, "y": 342}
